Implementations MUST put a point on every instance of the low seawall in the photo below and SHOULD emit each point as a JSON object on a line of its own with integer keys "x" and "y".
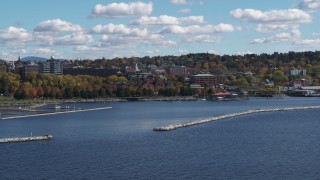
{"x": 215, "y": 118}
{"x": 26, "y": 139}
{"x": 63, "y": 112}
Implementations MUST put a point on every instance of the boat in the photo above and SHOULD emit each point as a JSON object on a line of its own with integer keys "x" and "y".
{"x": 312, "y": 95}
{"x": 219, "y": 98}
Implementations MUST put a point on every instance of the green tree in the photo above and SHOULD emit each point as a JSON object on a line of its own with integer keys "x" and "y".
{"x": 150, "y": 92}
{"x": 68, "y": 93}
{"x": 102, "y": 92}
{"x": 278, "y": 77}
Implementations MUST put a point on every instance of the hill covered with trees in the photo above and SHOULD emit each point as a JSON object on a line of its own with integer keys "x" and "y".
{"x": 246, "y": 71}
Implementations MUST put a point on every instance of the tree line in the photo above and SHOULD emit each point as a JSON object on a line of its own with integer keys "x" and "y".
{"x": 264, "y": 67}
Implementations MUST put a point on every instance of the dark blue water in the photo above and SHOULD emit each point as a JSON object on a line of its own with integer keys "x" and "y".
{"x": 119, "y": 143}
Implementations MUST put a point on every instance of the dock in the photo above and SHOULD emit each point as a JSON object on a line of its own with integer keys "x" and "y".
{"x": 26, "y": 139}
{"x": 220, "y": 117}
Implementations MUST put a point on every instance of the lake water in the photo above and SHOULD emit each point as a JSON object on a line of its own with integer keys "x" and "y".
{"x": 119, "y": 143}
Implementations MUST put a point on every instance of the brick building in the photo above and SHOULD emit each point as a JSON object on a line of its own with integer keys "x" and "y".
{"x": 204, "y": 79}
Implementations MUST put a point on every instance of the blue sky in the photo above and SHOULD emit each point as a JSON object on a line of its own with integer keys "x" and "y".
{"x": 102, "y": 28}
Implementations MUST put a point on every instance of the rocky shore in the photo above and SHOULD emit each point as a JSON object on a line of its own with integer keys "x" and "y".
{"x": 11, "y": 105}
{"x": 26, "y": 139}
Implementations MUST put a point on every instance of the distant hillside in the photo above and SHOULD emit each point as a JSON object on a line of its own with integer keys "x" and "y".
{"x": 33, "y": 58}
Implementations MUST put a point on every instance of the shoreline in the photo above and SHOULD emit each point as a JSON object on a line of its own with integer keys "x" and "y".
{"x": 9, "y": 105}
{"x": 220, "y": 117}
{"x": 13, "y": 105}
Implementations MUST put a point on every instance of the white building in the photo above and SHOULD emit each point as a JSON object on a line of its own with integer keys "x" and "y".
{"x": 296, "y": 72}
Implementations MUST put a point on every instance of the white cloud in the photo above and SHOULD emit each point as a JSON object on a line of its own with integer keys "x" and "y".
{"x": 182, "y": 51}
{"x": 44, "y": 38}
{"x": 159, "y": 40}
{"x": 185, "y": 10}
{"x": 213, "y": 52}
{"x": 57, "y": 25}
{"x": 118, "y": 29}
{"x": 310, "y": 4}
{"x": 289, "y": 15}
{"x": 271, "y": 27}
{"x": 58, "y": 39}
{"x": 13, "y": 34}
{"x": 203, "y": 39}
{"x": 196, "y": 29}
{"x": 179, "y": 2}
{"x": 308, "y": 42}
{"x": 115, "y": 10}
{"x": 164, "y": 43}
{"x": 45, "y": 51}
{"x": 156, "y": 51}
{"x": 85, "y": 48}
{"x": 244, "y": 53}
{"x": 294, "y": 35}
{"x": 316, "y": 34}
{"x": 127, "y": 41}
{"x": 73, "y": 39}
{"x": 168, "y": 20}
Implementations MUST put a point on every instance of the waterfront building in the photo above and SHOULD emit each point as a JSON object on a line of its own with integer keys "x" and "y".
{"x": 51, "y": 66}
{"x": 301, "y": 82}
{"x": 176, "y": 71}
{"x": 141, "y": 76}
{"x": 3, "y": 67}
{"x": 11, "y": 66}
{"x": 26, "y": 69}
{"x": 316, "y": 89}
{"x": 44, "y": 68}
{"x": 296, "y": 72}
{"x": 196, "y": 86}
{"x": 130, "y": 69}
{"x": 204, "y": 79}
{"x": 102, "y": 72}
{"x": 155, "y": 69}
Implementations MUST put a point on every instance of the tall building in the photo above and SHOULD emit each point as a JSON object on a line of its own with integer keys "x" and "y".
{"x": 44, "y": 68}
{"x": 51, "y": 66}
{"x": 24, "y": 70}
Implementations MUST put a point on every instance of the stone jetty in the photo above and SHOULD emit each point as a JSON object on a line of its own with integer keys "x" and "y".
{"x": 52, "y": 113}
{"x": 215, "y": 118}
{"x": 26, "y": 139}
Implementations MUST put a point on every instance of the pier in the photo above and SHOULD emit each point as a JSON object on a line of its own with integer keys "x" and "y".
{"x": 215, "y": 118}
{"x": 25, "y": 139}
{"x": 52, "y": 113}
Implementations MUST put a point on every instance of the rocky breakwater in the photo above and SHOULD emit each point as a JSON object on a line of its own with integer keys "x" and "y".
{"x": 26, "y": 139}
{"x": 215, "y": 118}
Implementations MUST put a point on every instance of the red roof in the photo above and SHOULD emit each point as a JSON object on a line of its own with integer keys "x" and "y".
{"x": 222, "y": 94}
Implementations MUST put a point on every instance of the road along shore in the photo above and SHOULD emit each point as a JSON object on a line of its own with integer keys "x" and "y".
{"x": 215, "y": 118}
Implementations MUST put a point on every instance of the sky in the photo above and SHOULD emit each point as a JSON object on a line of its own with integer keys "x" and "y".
{"x": 92, "y": 29}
